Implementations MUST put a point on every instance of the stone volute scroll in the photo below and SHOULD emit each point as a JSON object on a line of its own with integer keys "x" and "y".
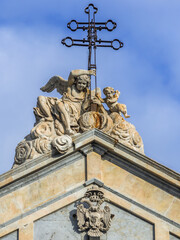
{"x": 91, "y": 216}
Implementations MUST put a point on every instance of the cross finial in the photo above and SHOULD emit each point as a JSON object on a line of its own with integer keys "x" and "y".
{"x": 92, "y": 41}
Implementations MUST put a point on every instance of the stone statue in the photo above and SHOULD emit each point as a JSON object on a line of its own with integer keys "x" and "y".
{"x": 75, "y": 98}
{"x": 111, "y": 101}
{"x": 78, "y": 110}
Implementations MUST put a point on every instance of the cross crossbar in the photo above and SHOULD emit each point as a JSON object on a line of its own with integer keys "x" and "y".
{"x": 92, "y": 41}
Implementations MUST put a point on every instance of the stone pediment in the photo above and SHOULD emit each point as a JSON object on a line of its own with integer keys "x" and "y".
{"x": 129, "y": 179}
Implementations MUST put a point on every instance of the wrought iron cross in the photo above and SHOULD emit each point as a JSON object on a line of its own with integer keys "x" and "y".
{"x": 92, "y": 41}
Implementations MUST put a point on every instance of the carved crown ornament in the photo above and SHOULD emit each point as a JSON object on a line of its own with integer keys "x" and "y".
{"x": 91, "y": 217}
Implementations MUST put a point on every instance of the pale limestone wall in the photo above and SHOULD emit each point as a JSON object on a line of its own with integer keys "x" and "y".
{"x": 136, "y": 188}
{"x": 31, "y": 196}
{"x": 123, "y": 181}
{"x": 129, "y": 180}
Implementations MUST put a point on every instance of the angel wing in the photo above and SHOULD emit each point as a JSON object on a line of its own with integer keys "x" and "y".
{"x": 56, "y": 82}
{"x": 81, "y": 216}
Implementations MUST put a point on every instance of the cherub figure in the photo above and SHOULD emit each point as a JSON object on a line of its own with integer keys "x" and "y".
{"x": 111, "y": 101}
{"x": 75, "y": 98}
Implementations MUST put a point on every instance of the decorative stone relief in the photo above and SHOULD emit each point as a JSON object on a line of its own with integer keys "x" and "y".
{"x": 62, "y": 143}
{"x": 79, "y": 110}
{"x": 23, "y": 152}
{"x": 90, "y": 216}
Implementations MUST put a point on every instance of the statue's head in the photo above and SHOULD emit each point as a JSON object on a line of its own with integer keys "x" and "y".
{"x": 82, "y": 82}
{"x": 108, "y": 91}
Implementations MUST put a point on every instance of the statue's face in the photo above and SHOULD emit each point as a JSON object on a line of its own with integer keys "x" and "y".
{"x": 81, "y": 84}
{"x": 109, "y": 93}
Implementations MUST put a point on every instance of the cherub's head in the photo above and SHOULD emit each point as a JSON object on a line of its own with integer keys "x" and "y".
{"x": 82, "y": 82}
{"x": 108, "y": 91}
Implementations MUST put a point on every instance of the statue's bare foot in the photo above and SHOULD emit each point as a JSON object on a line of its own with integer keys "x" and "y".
{"x": 70, "y": 131}
{"x": 127, "y": 116}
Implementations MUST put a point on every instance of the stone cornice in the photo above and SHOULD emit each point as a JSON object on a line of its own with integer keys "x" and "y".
{"x": 106, "y": 145}
{"x": 109, "y": 149}
{"x": 84, "y": 186}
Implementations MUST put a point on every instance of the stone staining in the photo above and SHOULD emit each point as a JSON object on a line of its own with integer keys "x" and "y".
{"x": 78, "y": 110}
{"x": 92, "y": 219}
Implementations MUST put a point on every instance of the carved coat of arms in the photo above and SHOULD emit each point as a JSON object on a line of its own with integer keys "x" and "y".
{"x": 90, "y": 216}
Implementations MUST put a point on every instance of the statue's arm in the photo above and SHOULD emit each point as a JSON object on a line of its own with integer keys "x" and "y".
{"x": 101, "y": 99}
{"x": 79, "y": 72}
{"x": 113, "y": 100}
{"x": 68, "y": 92}
{"x": 117, "y": 94}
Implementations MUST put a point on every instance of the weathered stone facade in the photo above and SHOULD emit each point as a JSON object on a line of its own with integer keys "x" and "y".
{"x": 39, "y": 198}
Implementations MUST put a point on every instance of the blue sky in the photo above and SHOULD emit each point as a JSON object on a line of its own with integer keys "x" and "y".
{"x": 146, "y": 71}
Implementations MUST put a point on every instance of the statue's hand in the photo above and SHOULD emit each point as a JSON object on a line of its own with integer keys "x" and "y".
{"x": 92, "y": 72}
{"x": 117, "y": 92}
{"x": 86, "y": 105}
{"x": 97, "y": 95}
{"x": 96, "y": 101}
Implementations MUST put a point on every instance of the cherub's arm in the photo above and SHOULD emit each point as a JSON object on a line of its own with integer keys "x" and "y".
{"x": 78, "y": 72}
{"x": 113, "y": 100}
{"x": 117, "y": 94}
